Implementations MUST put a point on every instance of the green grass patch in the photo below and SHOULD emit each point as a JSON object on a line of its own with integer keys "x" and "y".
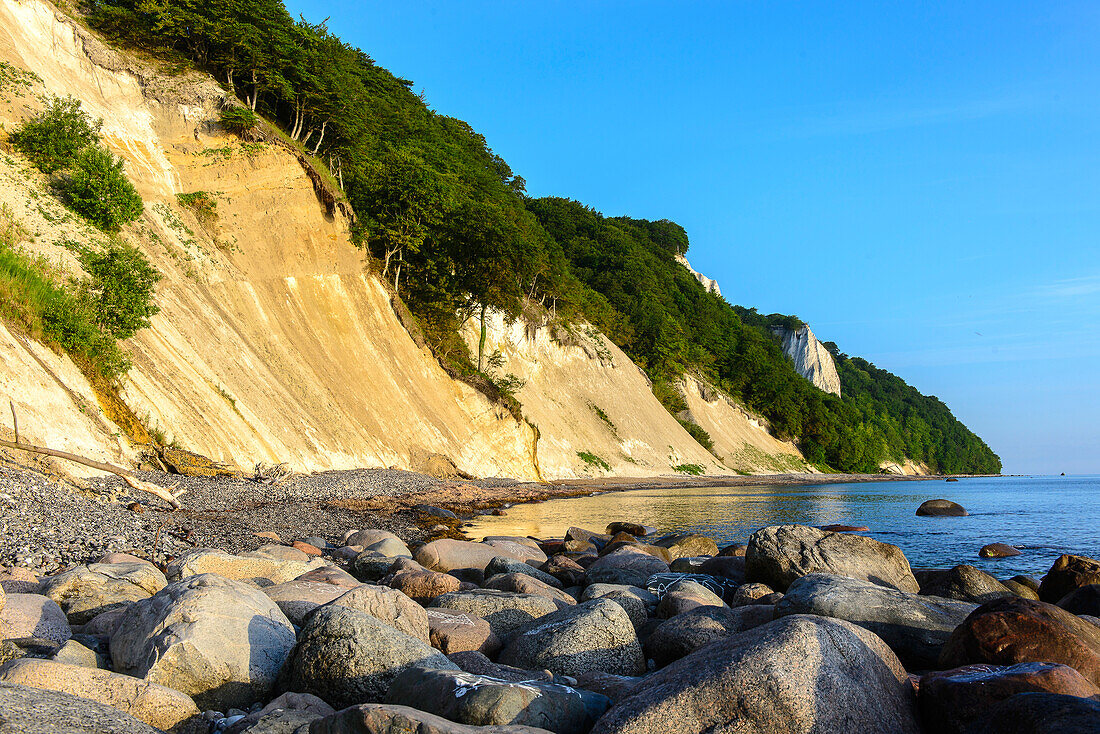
{"x": 202, "y": 203}
{"x": 593, "y": 460}
{"x": 692, "y": 469}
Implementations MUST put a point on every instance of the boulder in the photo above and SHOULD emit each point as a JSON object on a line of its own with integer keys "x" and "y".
{"x": 104, "y": 624}
{"x": 915, "y": 627}
{"x": 521, "y": 583}
{"x": 390, "y": 547}
{"x": 257, "y": 569}
{"x": 277, "y": 552}
{"x": 367, "y": 537}
{"x": 220, "y": 641}
{"x": 451, "y": 631}
{"x": 780, "y": 554}
{"x": 615, "y": 687}
{"x": 503, "y": 564}
{"x": 392, "y": 719}
{"x": 630, "y": 528}
{"x": 296, "y": 709}
{"x": 565, "y": 570}
{"x": 74, "y": 653}
{"x": 18, "y": 580}
{"x": 683, "y": 545}
{"x": 484, "y": 701}
{"x": 476, "y": 663}
{"x": 627, "y": 565}
{"x": 965, "y": 583}
{"x": 307, "y": 548}
{"x": 998, "y": 550}
{"x": 594, "y": 635}
{"x": 689, "y": 564}
{"x": 448, "y": 554}
{"x": 941, "y": 508}
{"x": 33, "y": 615}
{"x": 1027, "y": 592}
{"x": 389, "y": 606}
{"x": 1068, "y": 573}
{"x": 371, "y": 566}
{"x": 504, "y": 611}
{"x": 26, "y": 710}
{"x": 750, "y": 594}
{"x": 330, "y": 575}
{"x": 297, "y": 599}
{"x": 85, "y": 591}
{"x": 796, "y": 674}
{"x": 597, "y": 591}
{"x": 686, "y": 633}
{"x": 659, "y": 584}
{"x": 634, "y": 607}
{"x": 1082, "y": 600}
{"x": 683, "y": 596}
{"x": 346, "y": 656}
{"x": 1041, "y": 713}
{"x": 727, "y": 567}
{"x": 154, "y": 704}
{"x": 1014, "y": 630}
{"x": 521, "y": 551}
{"x": 423, "y": 586}
{"x": 733, "y": 550}
{"x": 953, "y": 700}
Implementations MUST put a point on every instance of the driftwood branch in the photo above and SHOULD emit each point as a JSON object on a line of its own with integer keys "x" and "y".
{"x": 172, "y": 498}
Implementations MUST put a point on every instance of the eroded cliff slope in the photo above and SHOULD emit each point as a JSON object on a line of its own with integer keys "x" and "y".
{"x": 810, "y": 357}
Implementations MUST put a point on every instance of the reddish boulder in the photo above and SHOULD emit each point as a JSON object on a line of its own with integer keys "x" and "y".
{"x": 1014, "y": 630}
{"x": 309, "y": 550}
{"x": 1068, "y": 573}
{"x": 452, "y": 631}
{"x": 422, "y": 586}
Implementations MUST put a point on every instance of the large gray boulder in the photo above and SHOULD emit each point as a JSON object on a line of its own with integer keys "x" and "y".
{"x": 297, "y": 599}
{"x": 779, "y": 554}
{"x": 915, "y": 627}
{"x": 626, "y": 565}
{"x": 448, "y": 554}
{"x": 504, "y": 611}
{"x": 686, "y": 633}
{"x": 262, "y": 569}
{"x": 594, "y": 635}
{"x": 503, "y": 564}
{"x": 965, "y": 583}
{"x": 26, "y": 710}
{"x": 384, "y": 718}
{"x": 389, "y": 606}
{"x": 799, "y": 674}
{"x": 346, "y": 657}
{"x": 85, "y": 591}
{"x": 482, "y": 700}
{"x": 33, "y": 615}
{"x": 521, "y": 583}
{"x": 220, "y": 641}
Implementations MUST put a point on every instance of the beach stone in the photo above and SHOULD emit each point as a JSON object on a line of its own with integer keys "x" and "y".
{"x": 941, "y": 508}
{"x": 33, "y": 615}
{"x": 565, "y": 570}
{"x": 916, "y": 627}
{"x": 423, "y": 586}
{"x": 309, "y": 550}
{"x": 685, "y": 633}
{"x": 965, "y": 583}
{"x": 683, "y": 596}
{"x": 779, "y": 554}
{"x": 503, "y": 564}
{"x": 447, "y": 554}
{"x": 283, "y": 715}
{"x": 482, "y": 700}
{"x": 346, "y": 656}
{"x": 1014, "y": 630}
{"x": 154, "y": 704}
{"x": 951, "y": 701}
{"x": 579, "y": 547}
{"x": 1068, "y": 573}
{"x": 597, "y": 591}
{"x": 615, "y": 687}
{"x": 661, "y": 583}
{"x": 998, "y": 550}
{"x": 389, "y": 606}
{"x": 475, "y": 662}
{"x": 85, "y": 591}
{"x": 520, "y": 551}
{"x": 297, "y": 599}
{"x": 529, "y": 542}
{"x": 74, "y": 653}
{"x": 268, "y": 535}
{"x": 504, "y": 611}
{"x": 630, "y": 528}
{"x": 521, "y": 583}
{"x": 371, "y": 566}
{"x": 26, "y": 710}
{"x": 220, "y": 641}
{"x": 797, "y": 674}
{"x": 394, "y": 719}
{"x": 316, "y": 541}
{"x": 330, "y": 575}
{"x": 594, "y": 635}
{"x": 278, "y": 552}
{"x": 750, "y": 594}
{"x": 123, "y": 558}
{"x": 1041, "y": 713}
{"x": 1022, "y": 590}
{"x": 733, "y": 550}
{"x": 684, "y": 545}
{"x": 728, "y": 567}
{"x": 587, "y": 536}
{"x": 390, "y": 547}
{"x": 1082, "y": 600}
{"x": 367, "y": 537}
{"x": 18, "y": 580}
{"x": 106, "y": 623}
{"x": 253, "y": 568}
{"x": 688, "y": 564}
{"x": 450, "y": 631}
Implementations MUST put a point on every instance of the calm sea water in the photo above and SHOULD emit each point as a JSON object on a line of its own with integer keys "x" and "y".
{"x": 1043, "y": 516}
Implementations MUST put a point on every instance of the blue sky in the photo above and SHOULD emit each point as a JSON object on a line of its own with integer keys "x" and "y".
{"x": 920, "y": 182}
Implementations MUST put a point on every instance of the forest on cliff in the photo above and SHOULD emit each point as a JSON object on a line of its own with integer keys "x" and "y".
{"x": 451, "y": 228}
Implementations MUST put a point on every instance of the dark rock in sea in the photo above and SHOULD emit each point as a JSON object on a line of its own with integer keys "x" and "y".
{"x": 629, "y": 527}
{"x": 482, "y": 700}
{"x": 845, "y": 528}
{"x": 798, "y": 674}
{"x": 684, "y": 634}
{"x": 1041, "y": 713}
{"x": 1082, "y": 600}
{"x": 998, "y": 550}
{"x": 1068, "y": 573}
{"x": 941, "y": 508}
{"x": 780, "y": 554}
{"x": 965, "y": 583}
{"x": 914, "y": 626}
{"x": 1014, "y": 630}
{"x": 951, "y": 701}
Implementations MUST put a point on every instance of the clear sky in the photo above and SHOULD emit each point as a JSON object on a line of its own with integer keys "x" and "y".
{"x": 918, "y": 181}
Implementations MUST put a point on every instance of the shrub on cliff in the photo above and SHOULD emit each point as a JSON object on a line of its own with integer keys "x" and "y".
{"x": 99, "y": 191}
{"x": 119, "y": 289}
{"x": 54, "y": 138}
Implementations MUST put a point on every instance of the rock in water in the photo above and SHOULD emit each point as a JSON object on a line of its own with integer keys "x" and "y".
{"x": 780, "y": 554}
{"x": 347, "y": 657}
{"x": 25, "y": 710}
{"x": 391, "y": 719}
{"x": 1014, "y": 630}
{"x": 915, "y": 627}
{"x": 796, "y": 674}
{"x": 1068, "y": 573}
{"x": 594, "y": 635}
{"x": 941, "y": 508}
{"x": 218, "y": 640}
{"x": 998, "y": 550}
{"x": 482, "y": 700}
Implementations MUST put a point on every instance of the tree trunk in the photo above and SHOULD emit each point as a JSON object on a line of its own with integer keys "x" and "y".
{"x": 481, "y": 342}
{"x": 397, "y": 278}
{"x": 255, "y": 91}
{"x": 320, "y": 139}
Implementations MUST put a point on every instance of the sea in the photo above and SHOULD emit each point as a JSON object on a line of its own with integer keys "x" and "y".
{"x": 1043, "y": 516}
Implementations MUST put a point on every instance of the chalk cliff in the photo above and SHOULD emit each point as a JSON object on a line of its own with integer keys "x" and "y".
{"x": 810, "y": 357}
{"x": 709, "y": 284}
